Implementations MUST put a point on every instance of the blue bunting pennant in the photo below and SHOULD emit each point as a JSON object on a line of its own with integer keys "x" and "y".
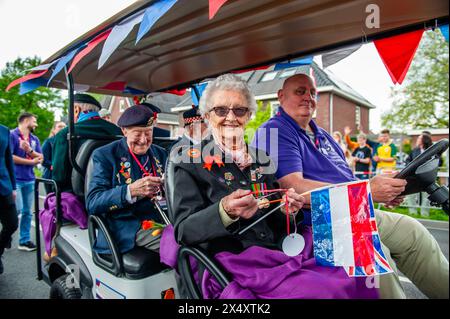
{"x": 200, "y": 88}
{"x": 294, "y": 64}
{"x": 63, "y": 61}
{"x": 31, "y": 85}
{"x": 444, "y": 31}
{"x": 152, "y": 15}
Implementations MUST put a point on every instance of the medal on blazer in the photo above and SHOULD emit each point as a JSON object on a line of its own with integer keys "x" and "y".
{"x": 229, "y": 178}
{"x": 125, "y": 170}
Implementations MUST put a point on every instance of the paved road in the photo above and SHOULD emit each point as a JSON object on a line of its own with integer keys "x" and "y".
{"x": 19, "y": 280}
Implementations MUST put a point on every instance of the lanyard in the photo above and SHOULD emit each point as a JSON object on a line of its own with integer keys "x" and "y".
{"x": 144, "y": 171}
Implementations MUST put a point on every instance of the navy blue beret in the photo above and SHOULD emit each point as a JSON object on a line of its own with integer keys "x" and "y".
{"x": 152, "y": 107}
{"x": 137, "y": 115}
{"x": 86, "y": 98}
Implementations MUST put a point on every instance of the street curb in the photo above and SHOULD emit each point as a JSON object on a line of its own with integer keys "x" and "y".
{"x": 436, "y": 224}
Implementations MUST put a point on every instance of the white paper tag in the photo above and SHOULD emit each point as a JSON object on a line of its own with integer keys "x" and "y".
{"x": 293, "y": 244}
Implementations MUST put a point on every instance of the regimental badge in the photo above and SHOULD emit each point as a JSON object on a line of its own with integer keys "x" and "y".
{"x": 229, "y": 177}
{"x": 194, "y": 153}
{"x": 159, "y": 169}
{"x": 127, "y": 164}
{"x": 259, "y": 172}
{"x": 253, "y": 175}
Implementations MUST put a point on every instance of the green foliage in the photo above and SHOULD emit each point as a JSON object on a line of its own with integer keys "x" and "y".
{"x": 423, "y": 101}
{"x": 43, "y": 102}
{"x": 262, "y": 115}
{"x": 407, "y": 148}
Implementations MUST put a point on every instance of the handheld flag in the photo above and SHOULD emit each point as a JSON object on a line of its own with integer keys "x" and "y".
{"x": 345, "y": 232}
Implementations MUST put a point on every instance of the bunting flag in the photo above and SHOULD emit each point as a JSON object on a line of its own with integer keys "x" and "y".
{"x": 398, "y": 52}
{"x": 176, "y": 92}
{"x": 133, "y": 91}
{"x": 117, "y": 35}
{"x": 43, "y": 67}
{"x": 115, "y": 86}
{"x": 214, "y": 6}
{"x": 90, "y": 46}
{"x": 293, "y": 64}
{"x": 345, "y": 232}
{"x": 444, "y": 31}
{"x": 25, "y": 78}
{"x": 330, "y": 58}
{"x": 32, "y": 85}
{"x": 62, "y": 62}
{"x": 200, "y": 88}
{"x": 152, "y": 15}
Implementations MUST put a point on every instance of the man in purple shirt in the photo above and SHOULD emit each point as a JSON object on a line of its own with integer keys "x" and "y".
{"x": 307, "y": 157}
{"x": 27, "y": 153}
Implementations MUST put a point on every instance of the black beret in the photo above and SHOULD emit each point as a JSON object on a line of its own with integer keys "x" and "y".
{"x": 152, "y": 107}
{"x": 191, "y": 116}
{"x": 86, "y": 98}
{"x": 137, "y": 115}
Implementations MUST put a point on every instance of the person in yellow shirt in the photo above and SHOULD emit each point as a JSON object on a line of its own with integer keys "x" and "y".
{"x": 385, "y": 153}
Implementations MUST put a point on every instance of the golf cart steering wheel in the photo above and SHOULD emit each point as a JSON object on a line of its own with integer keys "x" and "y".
{"x": 430, "y": 156}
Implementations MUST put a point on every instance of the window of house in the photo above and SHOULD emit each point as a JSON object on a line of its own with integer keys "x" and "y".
{"x": 288, "y": 72}
{"x": 269, "y": 76}
{"x": 358, "y": 116}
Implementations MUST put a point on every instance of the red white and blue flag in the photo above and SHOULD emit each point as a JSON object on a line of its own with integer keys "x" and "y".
{"x": 345, "y": 232}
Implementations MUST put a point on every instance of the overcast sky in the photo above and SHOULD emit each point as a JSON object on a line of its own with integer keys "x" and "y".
{"x": 43, "y": 27}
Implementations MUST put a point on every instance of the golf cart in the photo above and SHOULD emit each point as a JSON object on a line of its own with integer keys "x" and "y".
{"x": 184, "y": 48}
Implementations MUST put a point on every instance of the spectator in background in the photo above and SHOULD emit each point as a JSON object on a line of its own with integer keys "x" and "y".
{"x": 353, "y": 145}
{"x": 385, "y": 153}
{"x": 26, "y": 151}
{"x": 361, "y": 157}
{"x": 337, "y": 136}
{"x": 423, "y": 142}
{"x": 47, "y": 150}
{"x": 8, "y": 213}
{"x": 105, "y": 114}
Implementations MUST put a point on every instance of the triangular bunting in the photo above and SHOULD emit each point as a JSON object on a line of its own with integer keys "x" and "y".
{"x": 32, "y": 85}
{"x": 152, "y": 15}
{"x": 118, "y": 34}
{"x": 63, "y": 62}
{"x": 115, "y": 86}
{"x": 200, "y": 88}
{"x": 444, "y": 31}
{"x": 90, "y": 46}
{"x": 25, "y": 78}
{"x": 330, "y": 58}
{"x": 294, "y": 64}
{"x": 398, "y": 52}
{"x": 214, "y": 6}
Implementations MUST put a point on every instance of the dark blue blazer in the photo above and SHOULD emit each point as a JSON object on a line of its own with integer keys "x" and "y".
{"x": 7, "y": 177}
{"x": 47, "y": 150}
{"x": 107, "y": 191}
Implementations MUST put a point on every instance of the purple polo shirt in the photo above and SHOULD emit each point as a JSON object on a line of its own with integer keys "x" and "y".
{"x": 24, "y": 173}
{"x": 293, "y": 150}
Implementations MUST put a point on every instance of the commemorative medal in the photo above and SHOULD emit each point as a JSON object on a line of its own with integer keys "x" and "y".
{"x": 253, "y": 175}
{"x": 293, "y": 244}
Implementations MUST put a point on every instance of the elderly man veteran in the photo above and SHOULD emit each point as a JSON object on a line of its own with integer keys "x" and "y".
{"x": 127, "y": 175}
{"x": 308, "y": 158}
{"x": 87, "y": 123}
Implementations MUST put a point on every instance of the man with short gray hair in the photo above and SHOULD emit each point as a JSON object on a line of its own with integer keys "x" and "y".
{"x": 87, "y": 123}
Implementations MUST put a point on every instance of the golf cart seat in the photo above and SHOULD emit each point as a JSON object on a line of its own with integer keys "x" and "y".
{"x": 186, "y": 253}
{"x": 136, "y": 264}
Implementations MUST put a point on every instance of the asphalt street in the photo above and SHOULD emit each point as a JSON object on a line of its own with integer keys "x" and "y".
{"x": 19, "y": 279}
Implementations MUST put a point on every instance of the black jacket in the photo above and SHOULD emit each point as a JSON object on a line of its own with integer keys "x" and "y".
{"x": 198, "y": 192}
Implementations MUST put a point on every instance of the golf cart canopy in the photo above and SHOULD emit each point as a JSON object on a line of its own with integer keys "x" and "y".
{"x": 185, "y": 47}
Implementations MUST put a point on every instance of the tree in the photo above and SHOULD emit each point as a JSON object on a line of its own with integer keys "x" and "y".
{"x": 262, "y": 115}
{"x": 423, "y": 101}
{"x": 43, "y": 102}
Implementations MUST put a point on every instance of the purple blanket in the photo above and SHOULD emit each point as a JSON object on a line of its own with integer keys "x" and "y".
{"x": 72, "y": 209}
{"x": 261, "y": 273}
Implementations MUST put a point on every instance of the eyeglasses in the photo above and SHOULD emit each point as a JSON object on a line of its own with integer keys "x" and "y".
{"x": 223, "y": 111}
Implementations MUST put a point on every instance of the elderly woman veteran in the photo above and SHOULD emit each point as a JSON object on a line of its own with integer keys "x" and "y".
{"x": 215, "y": 202}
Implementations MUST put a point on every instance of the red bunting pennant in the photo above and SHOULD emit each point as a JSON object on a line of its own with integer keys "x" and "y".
{"x": 90, "y": 46}
{"x": 176, "y": 92}
{"x": 115, "y": 86}
{"x": 214, "y": 6}
{"x": 25, "y": 78}
{"x": 398, "y": 52}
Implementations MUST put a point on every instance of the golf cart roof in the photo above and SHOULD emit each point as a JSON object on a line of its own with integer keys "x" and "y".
{"x": 185, "y": 47}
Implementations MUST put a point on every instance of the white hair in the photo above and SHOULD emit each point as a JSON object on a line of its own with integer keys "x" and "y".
{"x": 226, "y": 82}
{"x": 85, "y": 107}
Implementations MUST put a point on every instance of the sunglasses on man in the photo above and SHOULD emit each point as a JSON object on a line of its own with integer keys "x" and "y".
{"x": 223, "y": 111}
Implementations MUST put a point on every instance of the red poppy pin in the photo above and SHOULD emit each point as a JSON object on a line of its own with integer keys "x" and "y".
{"x": 210, "y": 160}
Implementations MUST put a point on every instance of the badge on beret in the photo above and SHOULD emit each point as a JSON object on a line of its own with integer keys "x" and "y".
{"x": 193, "y": 153}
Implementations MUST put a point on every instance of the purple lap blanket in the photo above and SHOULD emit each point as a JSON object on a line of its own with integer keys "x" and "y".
{"x": 261, "y": 273}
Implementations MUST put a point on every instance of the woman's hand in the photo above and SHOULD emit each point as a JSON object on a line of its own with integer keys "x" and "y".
{"x": 296, "y": 201}
{"x": 145, "y": 187}
{"x": 240, "y": 203}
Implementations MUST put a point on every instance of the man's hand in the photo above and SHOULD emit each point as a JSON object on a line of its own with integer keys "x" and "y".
{"x": 376, "y": 158}
{"x": 347, "y": 130}
{"x": 385, "y": 188}
{"x": 145, "y": 187}
{"x": 240, "y": 203}
{"x": 295, "y": 200}
{"x": 25, "y": 146}
{"x": 396, "y": 202}
{"x": 37, "y": 160}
